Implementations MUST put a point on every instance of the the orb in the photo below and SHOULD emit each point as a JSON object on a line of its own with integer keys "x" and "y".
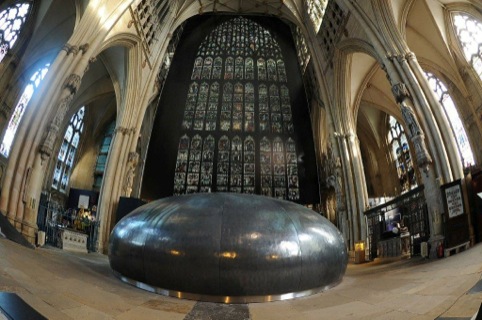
{"x": 227, "y": 247}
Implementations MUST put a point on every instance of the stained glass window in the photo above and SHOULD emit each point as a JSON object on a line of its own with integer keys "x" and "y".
{"x": 453, "y": 117}
{"x": 11, "y": 22}
{"x": 401, "y": 155}
{"x": 20, "y": 109}
{"x": 68, "y": 149}
{"x": 469, "y": 33}
{"x": 102, "y": 156}
{"x": 243, "y": 113}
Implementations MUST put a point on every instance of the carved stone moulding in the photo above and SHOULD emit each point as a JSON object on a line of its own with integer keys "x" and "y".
{"x": 227, "y": 247}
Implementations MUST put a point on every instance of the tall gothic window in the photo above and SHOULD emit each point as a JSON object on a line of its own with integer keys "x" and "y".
{"x": 20, "y": 109}
{"x": 11, "y": 21}
{"x": 401, "y": 155}
{"x": 237, "y": 127}
{"x": 102, "y": 156}
{"x": 453, "y": 117}
{"x": 68, "y": 149}
{"x": 316, "y": 10}
{"x": 469, "y": 33}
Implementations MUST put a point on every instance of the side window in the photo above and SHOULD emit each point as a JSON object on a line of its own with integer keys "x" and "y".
{"x": 20, "y": 109}
{"x": 453, "y": 118}
{"x": 68, "y": 149}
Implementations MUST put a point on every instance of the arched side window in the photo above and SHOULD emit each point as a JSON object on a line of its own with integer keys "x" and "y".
{"x": 102, "y": 156}
{"x": 68, "y": 149}
{"x": 20, "y": 109}
{"x": 469, "y": 34}
{"x": 401, "y": 154}
{"x": 245, "y": 112}
{"x": 453, "y": 117}
{"x": 11, "y": 21}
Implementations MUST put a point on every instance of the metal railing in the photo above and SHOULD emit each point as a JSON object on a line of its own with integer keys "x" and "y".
{"x": 52, "y": 219}
{"x": 408, "y": 211}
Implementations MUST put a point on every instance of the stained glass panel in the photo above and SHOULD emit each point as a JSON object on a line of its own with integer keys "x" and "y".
{"x": 261, "y": 69}
{"x": 196, "y": 72}
{"x": 271, "y": 66}
{"x": 266, "y": 167}
{"x": 207, "y": 67}
{"x": 217, "y": 69}
{"x": 249, "y": 69}
{"x": 236, "y": 179}
{"x": 281, "y": 71}
{"x": 224, "y": 148}
{"x": 229, "y": 69}
{"x": 238, "y": 69}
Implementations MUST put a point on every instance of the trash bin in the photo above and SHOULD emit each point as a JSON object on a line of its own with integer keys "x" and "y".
{"x": 359, "y": 252}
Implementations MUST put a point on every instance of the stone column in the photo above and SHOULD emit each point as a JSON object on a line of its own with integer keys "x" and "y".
{"x": 432, "y": 192}
{"x": 35, "y": 175}
{"x": 410, "y": 64}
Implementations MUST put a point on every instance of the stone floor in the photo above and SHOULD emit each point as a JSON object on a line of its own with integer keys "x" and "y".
{"x": 63, "y": 285}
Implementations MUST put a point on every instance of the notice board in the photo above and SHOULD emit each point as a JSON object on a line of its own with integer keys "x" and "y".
{"x": 456, "y": 218}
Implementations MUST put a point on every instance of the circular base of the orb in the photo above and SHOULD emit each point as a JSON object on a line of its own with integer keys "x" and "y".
{"x": 222, "y": 299}
{"x": 227, "y": 246}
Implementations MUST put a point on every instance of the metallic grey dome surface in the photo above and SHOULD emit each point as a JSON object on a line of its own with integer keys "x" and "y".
{"x": 227, "y": 247}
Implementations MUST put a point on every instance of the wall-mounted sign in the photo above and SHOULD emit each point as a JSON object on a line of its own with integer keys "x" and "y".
{"x": 455, "y": 203}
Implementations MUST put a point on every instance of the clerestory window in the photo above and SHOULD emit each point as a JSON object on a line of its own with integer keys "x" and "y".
{"x": 11, "y": 21}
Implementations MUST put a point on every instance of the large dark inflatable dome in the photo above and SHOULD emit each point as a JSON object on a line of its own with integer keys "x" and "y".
{"x": 227, "y": 247}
